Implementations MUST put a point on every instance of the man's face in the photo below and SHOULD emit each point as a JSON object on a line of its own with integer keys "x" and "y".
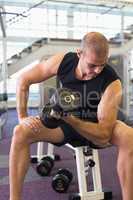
{"x": 90, "y": 65}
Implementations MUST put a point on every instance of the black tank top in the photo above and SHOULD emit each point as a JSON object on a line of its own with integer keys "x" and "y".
{"x": 91, "y": 90}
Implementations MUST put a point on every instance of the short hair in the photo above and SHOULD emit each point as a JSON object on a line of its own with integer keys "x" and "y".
{"x": 96, "y": 42}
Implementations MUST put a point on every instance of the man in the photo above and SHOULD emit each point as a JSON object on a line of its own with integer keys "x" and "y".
{"x": 87, "y": 72}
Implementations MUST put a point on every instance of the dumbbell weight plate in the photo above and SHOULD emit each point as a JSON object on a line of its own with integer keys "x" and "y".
{"x": 45, "y": 166}
{"x": 51, "y": 122}
{"x": 61, "y": 180}
{"x": 68, "y": 99}
{"x": 33, "y": 160}
{"x": 60, "y": 183}
{"x": 66, "y": 172}
{"x": 74, "y": 197}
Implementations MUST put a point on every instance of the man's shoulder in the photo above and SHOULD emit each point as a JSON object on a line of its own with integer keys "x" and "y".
{"x": 109, "y": 75}
{"x": 70, "y": 55}
{"x": 69, "y": 60}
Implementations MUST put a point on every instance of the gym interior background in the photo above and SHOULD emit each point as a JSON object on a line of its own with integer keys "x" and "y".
{"x": 34, "y": 29}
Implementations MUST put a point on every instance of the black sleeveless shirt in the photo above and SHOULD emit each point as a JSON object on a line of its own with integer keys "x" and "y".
{"x": 91, "y": 90}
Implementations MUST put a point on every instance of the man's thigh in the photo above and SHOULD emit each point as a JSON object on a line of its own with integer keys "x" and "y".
{"x": 35, "y": 131}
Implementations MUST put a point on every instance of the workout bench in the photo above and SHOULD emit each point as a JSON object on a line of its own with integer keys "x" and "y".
{"x": 84, "y": 154}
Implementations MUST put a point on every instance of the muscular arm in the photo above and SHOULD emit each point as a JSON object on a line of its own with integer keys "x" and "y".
{"x": 36, "y": 74}
{"x": 107, "y": 114}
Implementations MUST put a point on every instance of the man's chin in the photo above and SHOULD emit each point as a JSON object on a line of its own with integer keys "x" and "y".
{"x": 87, "y": 78}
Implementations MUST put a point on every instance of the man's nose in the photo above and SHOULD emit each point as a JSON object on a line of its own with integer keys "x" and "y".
{"x": 97, "y": 69}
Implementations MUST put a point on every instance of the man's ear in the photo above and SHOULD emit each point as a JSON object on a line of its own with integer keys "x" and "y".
{"x": 79, "y": 51}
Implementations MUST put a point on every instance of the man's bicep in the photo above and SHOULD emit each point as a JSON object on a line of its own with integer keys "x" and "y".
{"x": 109, "y": 104}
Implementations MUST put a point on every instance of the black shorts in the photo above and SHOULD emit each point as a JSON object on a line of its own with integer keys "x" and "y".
{"x": 71, "y": 136}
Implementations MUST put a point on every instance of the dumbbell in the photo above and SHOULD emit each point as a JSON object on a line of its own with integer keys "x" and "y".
{"x": 46, "y": 117}
{"x": 62, "y": 103}
{"x": 68, "y": 99}
{"x": 62, "y": 180}
{"x": 45, "y": 166}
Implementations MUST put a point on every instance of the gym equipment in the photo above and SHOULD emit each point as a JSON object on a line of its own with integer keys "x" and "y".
{"x": 91, "y": 163}
{"x": 45, "y": 166}
{"x": 63, "y": 102}
{"x": 3, "y": 103}
{"x": 37, "y": 158}
{"x": 3, "y": 111}
{"x": 87, "y": 158}
{"x": 47, "y": 119}
{"x": 3, "y": 75}
{"x": 3, "y": 97}
{"x": 62, "y": 180}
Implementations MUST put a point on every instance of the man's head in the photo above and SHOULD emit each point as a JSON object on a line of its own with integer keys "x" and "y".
{"x": 93, "y": 54}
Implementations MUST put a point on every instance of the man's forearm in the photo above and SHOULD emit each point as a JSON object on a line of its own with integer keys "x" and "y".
{"x": 92, "y": 131}
{"x": 22, "y": 98}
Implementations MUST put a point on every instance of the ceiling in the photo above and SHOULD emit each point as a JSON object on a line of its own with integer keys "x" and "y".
{"x": 22, "y": 2}
{"x": 25, "y": 7}
{"x": 110, "y": 5}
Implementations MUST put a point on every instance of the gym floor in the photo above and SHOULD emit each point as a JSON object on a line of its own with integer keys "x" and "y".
{"x": 38, "y": 188}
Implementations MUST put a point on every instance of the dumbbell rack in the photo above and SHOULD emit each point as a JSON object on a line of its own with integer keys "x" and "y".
{"x": 81, "y": 160}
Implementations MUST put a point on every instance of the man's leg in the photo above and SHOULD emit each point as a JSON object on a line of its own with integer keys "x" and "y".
{"x": 20, "y": 153}
{"x": 123, "y": 139}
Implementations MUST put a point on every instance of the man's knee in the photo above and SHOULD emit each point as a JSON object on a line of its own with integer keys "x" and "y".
{"x": 123, "y": 136}
{"x": 21, "y": 135}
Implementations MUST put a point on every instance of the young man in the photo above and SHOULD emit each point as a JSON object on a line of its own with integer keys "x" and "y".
{"x": 85, "y": 71}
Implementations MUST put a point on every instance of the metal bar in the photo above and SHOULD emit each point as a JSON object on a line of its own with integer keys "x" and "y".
{"x": 2, "y": 23}
{"x": 81, "y": 171}
{"x": 96, "y": 172}
{"x": 39, "y": 150}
